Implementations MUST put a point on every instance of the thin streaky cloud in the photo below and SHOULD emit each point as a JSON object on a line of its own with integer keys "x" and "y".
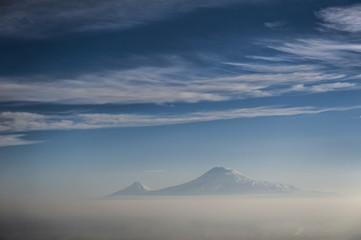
{"x": 327, "y": 87}
{"x": 276, "y": 68}
{"x": 342, "y": 18}
{"x": 43, "y": 18}
{"x": 340, "y": 54}
{"x": 275, "y": 25}
{"x": 332, "y": 86}
{"x": 161, "y": 85}
{"x": 11, "y": 122}
{"x": 14, "y": 140}
{"x": 282, "y": 58}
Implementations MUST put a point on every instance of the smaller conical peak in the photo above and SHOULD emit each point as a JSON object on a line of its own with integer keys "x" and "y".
{"x": 138, "y": 185}
{"x": 136, "y": 188}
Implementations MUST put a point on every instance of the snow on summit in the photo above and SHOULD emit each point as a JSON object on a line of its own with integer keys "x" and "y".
{"x": 218, "y": 180}
{"x": 137, "y": 188}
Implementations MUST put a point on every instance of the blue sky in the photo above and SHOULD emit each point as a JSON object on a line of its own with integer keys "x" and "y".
{"x": 98, "y": 94}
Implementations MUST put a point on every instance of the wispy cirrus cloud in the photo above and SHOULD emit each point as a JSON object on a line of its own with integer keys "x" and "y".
{"x": 307, "y": 56}
{"x": 44, "y": 18}
{"x": 27, "y": 121}
{"x": 327, "y": 87}
{"x": 13, "y": 122}
{"x": 341, "y": 54}
{"x": 140, "y": 85}
{"x": 342, "y": 18}
{"x": 275, "y": 25}
{"x": 163, "y": 84}
{"x": 276, "y": 68}
{"x": 14, "y": 140}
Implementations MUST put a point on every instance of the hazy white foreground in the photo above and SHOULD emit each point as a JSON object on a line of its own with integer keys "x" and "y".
{"x": 212, "y": 217}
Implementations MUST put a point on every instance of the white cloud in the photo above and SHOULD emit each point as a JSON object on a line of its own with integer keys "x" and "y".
{"x": 273, "y": 68}
{"x": 14, "y": 140}
{"x": 44, "y": 18}
{"x": 26, "y": 121}
{"x": 275, "y": 25}
{"x": 161, "y": 85}
{"x": 341, "y": 54}
{"x": 271, "y": 58}
{"x": 327, "y": 87}
{"x": 142, "y": 85}
{"x": 346, "y": 18}
{"x": 331, "y": 86}
{"x": 12, "y": 122}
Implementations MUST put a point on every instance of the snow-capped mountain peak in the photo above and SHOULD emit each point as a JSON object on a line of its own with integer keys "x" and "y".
{"x": 137, "y": 188}
{"x": 218, "y": 180}
{"x": 224, "y": 173}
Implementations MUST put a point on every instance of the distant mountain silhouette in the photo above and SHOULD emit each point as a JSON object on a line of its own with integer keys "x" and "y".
{"x": 137, "y": 188}
{"x": 218, "y": 181}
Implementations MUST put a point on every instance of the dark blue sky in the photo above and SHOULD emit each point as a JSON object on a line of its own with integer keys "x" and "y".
{"x": 97, "y": 94}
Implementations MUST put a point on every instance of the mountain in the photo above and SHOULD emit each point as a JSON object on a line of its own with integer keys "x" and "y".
{"x": 137, "y": 188}
{"x": 220, "y": 180}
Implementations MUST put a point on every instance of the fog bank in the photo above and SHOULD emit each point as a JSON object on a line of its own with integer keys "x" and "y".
{"x": 206, "y": 217}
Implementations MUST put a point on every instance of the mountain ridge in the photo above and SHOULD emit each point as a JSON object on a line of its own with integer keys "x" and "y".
{"x": 216, "y": 181}
{"x": 220, "y": 180}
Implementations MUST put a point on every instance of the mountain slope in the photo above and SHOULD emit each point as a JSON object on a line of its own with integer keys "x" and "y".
{"x": 218, "y": 180}
{"x": 221, "y": 180}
